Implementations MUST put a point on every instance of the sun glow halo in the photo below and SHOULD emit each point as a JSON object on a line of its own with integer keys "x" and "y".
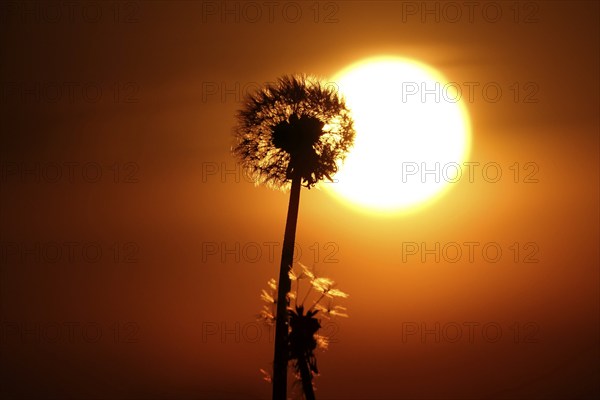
{"x": 408, "y": 121}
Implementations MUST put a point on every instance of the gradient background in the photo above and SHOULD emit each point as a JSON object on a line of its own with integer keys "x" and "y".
{"x": 167, "y": 309}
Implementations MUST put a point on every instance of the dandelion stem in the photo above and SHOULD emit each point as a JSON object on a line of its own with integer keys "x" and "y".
{"x": 280, "y": 361}
{"x": 306, "y": 377}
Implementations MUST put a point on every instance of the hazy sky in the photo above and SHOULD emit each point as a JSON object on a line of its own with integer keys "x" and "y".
{"x": 133, "y": 251}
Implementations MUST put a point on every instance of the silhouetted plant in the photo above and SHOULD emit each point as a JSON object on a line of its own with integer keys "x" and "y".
{"x": 304, "y": 337}
{"x": 290, "y": 133}
{"x": 297, "y": 127}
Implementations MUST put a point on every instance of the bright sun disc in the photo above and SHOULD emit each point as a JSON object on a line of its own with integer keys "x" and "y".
{"x": 412, "y": 135}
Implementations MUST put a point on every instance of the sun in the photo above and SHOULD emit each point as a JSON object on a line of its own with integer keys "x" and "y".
{"x": 412, "y": 135}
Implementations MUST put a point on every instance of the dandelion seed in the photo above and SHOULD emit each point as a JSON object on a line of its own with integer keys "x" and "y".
{"x": 267, "y": 297}
{"x": 267, "y": 315}
{"x": 336, "y": 293}
{"x": 322, "y": 284}
{"x": 266, "y": 375}
{"x": 332, "y": 311}
{"x": 322, "y": 341}
{"x": 306, "y": 272}
{"x": 293, "y": 276}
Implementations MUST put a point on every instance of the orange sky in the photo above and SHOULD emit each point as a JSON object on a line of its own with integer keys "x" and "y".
{"x": 132, "y": 257}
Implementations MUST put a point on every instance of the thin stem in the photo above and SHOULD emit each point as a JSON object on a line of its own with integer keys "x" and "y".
{"x": 307, "y": 293}
{"x": 316, "y": 302}
{"x": 297, "y": 292}
{"x": 306, "y": 377}
{"x": 280, "y": 361}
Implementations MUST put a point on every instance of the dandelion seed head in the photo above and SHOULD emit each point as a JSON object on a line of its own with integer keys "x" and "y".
{"x": 297, "y": 126}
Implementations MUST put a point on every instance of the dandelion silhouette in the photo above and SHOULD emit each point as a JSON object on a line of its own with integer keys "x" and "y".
{"x": 291, "y": 133}
{"x": 297, "y": 127}
{"x": 303, "y": 337}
